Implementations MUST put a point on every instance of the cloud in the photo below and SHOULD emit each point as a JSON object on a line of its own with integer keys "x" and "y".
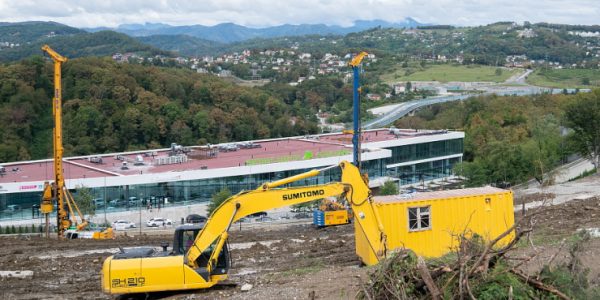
{"x": 261, "y": 13}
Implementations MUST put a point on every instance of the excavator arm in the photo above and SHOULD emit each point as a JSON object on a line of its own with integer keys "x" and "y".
{"x": 142, "y": 270}
{"x": 267, "y": 197}
{"x": 247, "y": 203}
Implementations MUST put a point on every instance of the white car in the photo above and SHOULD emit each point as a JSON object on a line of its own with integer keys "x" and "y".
{"x": 122, "y": 225}
{"x": 157, "y": 222}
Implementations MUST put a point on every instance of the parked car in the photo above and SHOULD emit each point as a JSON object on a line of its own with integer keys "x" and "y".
{"x": 117, "y": 202}
{"x": 302, "y": 216}
{"x": 99, "y": 202}
{"x": 122, "y": 225}
{"x": 259, "y": 214}
{"x": 156, "y": 222}
{"x": 195, "y": 219}
{"x": 243, "y": 220}
{"x": 13, "y": 208}
{"x": 264, "y": 219}
{"x": 132, "y": 201}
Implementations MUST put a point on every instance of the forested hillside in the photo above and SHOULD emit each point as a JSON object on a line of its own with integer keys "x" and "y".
{"x": 28, "y": 32}
{"x": 114, "y": 107}
{"x": 183, "y": 44}
{"x": 508, "y": 140}
{"x": 103, "y": 43}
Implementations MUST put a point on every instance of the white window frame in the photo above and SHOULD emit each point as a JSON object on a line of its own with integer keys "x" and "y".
{"x": 421, "y": 211}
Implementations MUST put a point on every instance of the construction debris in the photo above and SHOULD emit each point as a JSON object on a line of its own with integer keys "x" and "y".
{"x": 246, "y": 287}
{"x": 16, "y": 274}
{"x": 477, "y": 270}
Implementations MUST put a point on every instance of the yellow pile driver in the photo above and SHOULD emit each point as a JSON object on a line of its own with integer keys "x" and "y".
{"x": 200, "y": 258}
{"x": 57, "y": 192}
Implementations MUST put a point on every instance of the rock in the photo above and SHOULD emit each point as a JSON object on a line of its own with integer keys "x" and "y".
{"x": 54, "y": 269}
{"x": 95, "y": 260}
{"x": 16, "y": 274}
{"x": 246, "y": 287}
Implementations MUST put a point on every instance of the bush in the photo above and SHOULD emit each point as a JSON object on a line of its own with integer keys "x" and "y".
{"x": 389, "y": 188}
{"x": 399, "y": 276}
{"x": 217, "y": 199}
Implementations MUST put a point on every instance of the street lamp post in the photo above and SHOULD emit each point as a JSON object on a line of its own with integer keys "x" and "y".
{"x": 140, "y": 206}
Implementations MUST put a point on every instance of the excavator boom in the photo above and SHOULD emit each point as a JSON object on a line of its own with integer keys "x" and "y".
{"x": 199, "y": 266}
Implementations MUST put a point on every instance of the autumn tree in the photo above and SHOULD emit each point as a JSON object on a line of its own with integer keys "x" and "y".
{"x": 583, "y": 117}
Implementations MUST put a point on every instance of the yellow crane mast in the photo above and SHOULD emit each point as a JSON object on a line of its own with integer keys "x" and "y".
{"x": 64, "y": 199}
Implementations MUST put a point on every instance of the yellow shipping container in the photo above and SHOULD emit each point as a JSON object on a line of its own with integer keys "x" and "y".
{"x": 429, "y": 222}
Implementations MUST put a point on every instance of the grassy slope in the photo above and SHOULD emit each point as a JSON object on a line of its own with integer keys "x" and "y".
{"x": 445, "y": 73}
{"x": 565, "y": 78}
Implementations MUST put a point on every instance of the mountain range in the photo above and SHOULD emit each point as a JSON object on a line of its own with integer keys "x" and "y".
{"x": 230, "y": 32}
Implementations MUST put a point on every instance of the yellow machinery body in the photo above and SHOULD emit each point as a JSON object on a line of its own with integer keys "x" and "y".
{"x": 336, "y": 217}
{"x": 487, "y": 212}
{"x": 200, "y": 265}
{"x": 331, "y": 213}
{"x": 138, "y": 275}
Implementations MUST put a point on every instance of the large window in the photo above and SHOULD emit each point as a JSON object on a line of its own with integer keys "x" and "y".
{"x": 425, "y": 150}
{"x": 419, "y": 218}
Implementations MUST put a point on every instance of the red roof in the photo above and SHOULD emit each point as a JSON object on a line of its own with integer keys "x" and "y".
{"x": 83, "y": 168}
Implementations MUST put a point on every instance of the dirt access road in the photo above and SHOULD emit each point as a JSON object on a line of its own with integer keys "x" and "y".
{"x": 287, "y": 263}
{"x": 280, "y": 262}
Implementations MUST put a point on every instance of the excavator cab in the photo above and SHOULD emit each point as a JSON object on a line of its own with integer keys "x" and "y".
{"x": 184, "y": 239}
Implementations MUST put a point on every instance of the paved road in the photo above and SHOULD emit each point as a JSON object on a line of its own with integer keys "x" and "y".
{"x": 502, "y": 90}
{"x": 519, "y": 78}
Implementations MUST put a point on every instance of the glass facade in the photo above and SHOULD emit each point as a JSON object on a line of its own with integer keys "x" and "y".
{"x": 135, "y": 197}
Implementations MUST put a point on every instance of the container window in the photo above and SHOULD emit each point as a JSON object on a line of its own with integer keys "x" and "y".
{"x": 419, "y": 218}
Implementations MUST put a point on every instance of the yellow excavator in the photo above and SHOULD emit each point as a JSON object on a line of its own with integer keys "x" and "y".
{"x": 200, "y": 258}
{"x": 67, "y": 225}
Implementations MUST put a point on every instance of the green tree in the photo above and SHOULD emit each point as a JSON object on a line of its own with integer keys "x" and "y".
{"x": 389, "y": 188}
{"x": 85, "y": 201}
{"x": 583, "y": 117}
{"x": 585, "y": 81}
{"x": 217, "y": 199}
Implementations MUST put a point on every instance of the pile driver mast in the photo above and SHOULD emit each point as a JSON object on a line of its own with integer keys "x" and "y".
{"x": 57, "y": 189}
{"x": 355, "y": 64}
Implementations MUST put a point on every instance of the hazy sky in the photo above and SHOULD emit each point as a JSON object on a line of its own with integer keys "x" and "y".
{"x": 261, "y": 13}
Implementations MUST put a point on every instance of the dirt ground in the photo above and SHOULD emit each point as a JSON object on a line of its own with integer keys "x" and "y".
{"x": 287, "y": 262}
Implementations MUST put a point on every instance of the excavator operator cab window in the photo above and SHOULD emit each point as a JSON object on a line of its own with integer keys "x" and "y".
{"x": 184, "y": 238}
{"x": 187, "y": 240}
{"x": 223, "y": 262}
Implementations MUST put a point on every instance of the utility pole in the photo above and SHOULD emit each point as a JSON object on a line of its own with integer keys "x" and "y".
{"x": 355, "y": 63}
